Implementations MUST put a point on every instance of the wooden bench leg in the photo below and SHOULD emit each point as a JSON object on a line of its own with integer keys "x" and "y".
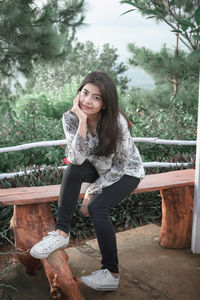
{"x": 30, "y": 223}
{"x": 177, "y": 212}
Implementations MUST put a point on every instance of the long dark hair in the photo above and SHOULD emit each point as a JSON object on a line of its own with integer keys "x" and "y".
{"x": 108, "y": 127}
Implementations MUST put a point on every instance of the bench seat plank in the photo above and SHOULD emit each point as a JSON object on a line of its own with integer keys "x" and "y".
{"x": 49, "y": 193}
{"x": 29, "y": 190}
{"x": 40, "y": 195}
{"x": 167, "y": 180}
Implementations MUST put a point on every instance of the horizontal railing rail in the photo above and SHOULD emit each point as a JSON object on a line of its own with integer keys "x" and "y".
{"x": 153, "y": 140}
{"x": 154, "y": 164}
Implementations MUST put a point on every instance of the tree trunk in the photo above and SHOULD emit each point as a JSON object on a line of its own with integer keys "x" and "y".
{"x": 30, "y": 223}
{"x": 177, "y": 211}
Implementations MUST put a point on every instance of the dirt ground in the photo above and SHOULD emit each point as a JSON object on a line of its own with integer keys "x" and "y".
{"x": 23, "y": 287}
{"x": 147, "y": 270}
{"x": 15, "y": 284}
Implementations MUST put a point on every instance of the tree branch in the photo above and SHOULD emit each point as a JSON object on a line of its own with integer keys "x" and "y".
{"x": 173, "y": 27}
{"x": 190, "y": 46}
{"x": 185, "y": 35}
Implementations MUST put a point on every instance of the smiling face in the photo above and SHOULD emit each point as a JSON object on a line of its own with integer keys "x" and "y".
{"x": 91, "y": 102}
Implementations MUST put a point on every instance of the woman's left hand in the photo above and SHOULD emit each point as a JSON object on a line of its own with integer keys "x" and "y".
{"x": 84, "y": 207}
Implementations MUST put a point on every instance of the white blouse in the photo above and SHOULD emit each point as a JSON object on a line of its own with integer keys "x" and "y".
{"x": 125, "y": 160}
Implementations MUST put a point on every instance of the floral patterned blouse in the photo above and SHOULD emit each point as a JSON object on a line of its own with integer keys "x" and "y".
{"x": 125, "y": 160}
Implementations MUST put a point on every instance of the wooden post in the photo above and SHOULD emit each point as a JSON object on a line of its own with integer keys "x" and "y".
{"x": 31, "y": 222}
{"x": 176, "y": 228}
{"x": 196, "y": 212}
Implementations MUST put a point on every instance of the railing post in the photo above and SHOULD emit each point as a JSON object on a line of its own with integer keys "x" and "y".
{"x": 196, "y": 212}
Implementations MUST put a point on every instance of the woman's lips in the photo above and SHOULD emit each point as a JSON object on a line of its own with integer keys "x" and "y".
{"x": 85, "y": 107}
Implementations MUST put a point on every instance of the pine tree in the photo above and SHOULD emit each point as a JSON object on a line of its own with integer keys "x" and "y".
{"x": 30, "y": 31}
{"x": 182, "y": 16}
{"x": 162, "y": 66}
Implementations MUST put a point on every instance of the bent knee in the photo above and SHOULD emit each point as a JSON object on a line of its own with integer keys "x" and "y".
{"x": 95, "y": 209}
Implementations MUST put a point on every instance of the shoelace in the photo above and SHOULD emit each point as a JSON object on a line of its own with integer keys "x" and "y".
{"x": 51, "y": 233}
{"x": 99, "y": 275}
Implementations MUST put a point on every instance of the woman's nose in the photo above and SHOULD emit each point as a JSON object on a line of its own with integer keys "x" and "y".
{"x": 88, "y": 99}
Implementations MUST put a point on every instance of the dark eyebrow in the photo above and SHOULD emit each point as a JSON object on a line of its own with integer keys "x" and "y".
{"x": 93, "y": 94}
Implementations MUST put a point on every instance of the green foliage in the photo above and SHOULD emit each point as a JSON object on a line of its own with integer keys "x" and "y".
{"x": 45, "y": 176}
{"x": 50, "y": 104}
{"x": 137, "y": 210}
{"x": 83, "y": 58}
{"x": 30, "y": 31}
{"x": 31, "y": 130}
{"x": 182, "y": 16}
{"x": 172, "y": 124}
{"x": 162, "y": 65}
{"x": 32, "y": 118}
{"x": 37, "y": 117}
{"x": 27, "y": 159}
{"x": 163, "y": 68}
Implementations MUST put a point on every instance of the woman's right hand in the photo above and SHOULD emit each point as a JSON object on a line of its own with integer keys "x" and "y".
{"x": 76, "y": 109}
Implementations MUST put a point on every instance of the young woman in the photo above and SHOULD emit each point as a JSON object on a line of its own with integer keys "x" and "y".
{"x": 101, "y": 151}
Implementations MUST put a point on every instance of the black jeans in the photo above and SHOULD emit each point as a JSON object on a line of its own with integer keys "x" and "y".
{"x": 99, "y": 207}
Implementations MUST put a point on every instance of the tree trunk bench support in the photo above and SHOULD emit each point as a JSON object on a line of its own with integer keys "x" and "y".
{"x": 32, "y": 219}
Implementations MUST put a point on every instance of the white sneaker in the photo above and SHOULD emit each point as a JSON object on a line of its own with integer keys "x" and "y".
{"x": 53, "y": 241}
{"x": 101, "y": 280}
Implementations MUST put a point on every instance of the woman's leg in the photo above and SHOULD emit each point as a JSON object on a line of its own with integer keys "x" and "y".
{"x": 70, "y": 188}
{"x": 73, "y": 177}
{"x": 99, "y": 209}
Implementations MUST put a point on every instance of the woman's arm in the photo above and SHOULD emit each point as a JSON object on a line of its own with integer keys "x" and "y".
{"x": 82, "y": 127}
{"x": 75, "y": 129}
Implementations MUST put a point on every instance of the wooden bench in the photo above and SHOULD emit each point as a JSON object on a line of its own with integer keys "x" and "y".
{"x": 32, "y": 219}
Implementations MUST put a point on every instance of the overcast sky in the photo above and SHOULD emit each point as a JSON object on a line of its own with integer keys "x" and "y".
{"x": 105, "y": 24}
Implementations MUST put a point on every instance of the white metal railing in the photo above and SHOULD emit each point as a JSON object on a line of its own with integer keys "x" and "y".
{"x": 154, "y": 164}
